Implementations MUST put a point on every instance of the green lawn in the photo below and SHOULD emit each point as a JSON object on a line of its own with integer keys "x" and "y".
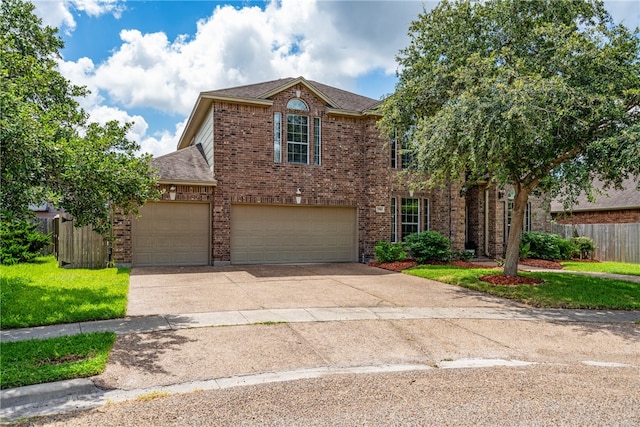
{"x": 560, "y": 290}
{"x": 40, "y": 361}
{"x": 40, "y": 293}
{"x": 603, "y": 267}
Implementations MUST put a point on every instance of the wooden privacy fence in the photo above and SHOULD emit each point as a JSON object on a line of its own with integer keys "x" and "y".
{"x": 614, "y": 242}
{"x": 80, "y": 247}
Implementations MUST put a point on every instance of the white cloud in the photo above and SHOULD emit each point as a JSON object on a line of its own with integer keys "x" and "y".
{"x": 59, "y": 13}
{"x": 335, "y": 42}
{"x": 233, "y": 46}
{"x": 162, "y": 142}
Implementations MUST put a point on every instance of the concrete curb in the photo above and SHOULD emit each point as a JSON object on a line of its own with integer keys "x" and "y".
{"x": 49, "y": 391}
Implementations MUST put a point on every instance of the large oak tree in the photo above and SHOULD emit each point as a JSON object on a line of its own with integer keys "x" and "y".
{"x": 49, "y": 150}
{"x": 541, "y": 95}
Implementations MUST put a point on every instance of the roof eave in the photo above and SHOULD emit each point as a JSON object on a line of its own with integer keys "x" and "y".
{"x": 596, "y": 209}
{"x": 213, "y": 183}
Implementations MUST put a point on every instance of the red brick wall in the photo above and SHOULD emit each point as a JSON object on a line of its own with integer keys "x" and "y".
{"x": 355, "y": 171}
{"x": 600, "y": 217}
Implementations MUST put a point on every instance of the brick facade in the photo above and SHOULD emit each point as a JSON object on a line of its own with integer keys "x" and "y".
{"x": 599, "y": 217}
{"x": 355, "y": 171}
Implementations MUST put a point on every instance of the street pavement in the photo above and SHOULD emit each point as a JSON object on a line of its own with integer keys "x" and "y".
{"x": 207, "y": 334}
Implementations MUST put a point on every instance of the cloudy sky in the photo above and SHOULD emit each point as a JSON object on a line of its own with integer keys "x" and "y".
{"x": 146, "y": 61}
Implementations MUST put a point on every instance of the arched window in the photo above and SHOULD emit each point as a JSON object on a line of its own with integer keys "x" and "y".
{"x": 297, "y": 104}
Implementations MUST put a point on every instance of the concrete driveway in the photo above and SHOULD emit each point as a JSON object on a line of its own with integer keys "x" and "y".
{"x": 187, "y": 290}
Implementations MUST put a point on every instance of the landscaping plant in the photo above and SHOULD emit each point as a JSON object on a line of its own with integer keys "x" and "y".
{"x": 540, "y": 245}
{"x": 21, "y": 241}
{"x": 389, "y": 252}
{"x": 429, "y": 246}
{"x": 584, "y": 246}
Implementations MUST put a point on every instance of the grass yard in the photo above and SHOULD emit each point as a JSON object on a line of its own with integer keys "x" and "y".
{"x": 603, "y": 267}
{"x": 559, "y": 290}
{"x": 40, "y": 361}
{"x": 40, "y": 293}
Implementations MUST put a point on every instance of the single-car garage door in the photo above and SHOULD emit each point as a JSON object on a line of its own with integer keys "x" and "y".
{"x": 292, "y": 234}
{"x": 169, "y": 234}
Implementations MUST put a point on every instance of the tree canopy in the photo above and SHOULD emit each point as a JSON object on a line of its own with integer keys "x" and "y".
{"x": 49, "y": 150}
{"x": 543, "y": 95}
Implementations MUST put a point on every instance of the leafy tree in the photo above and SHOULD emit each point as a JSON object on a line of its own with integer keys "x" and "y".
{"x": 542, "y": 95}
{"x": 49, "y": 151}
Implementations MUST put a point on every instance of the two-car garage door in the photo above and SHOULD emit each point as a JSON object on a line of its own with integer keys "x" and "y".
{"x": 265, "y": 234}
{"x": 168, "y": 234}
{"x": 174, "y": 234}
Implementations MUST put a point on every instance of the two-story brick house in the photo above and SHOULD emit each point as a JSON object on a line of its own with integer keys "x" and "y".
{"x": 294, "y": 171}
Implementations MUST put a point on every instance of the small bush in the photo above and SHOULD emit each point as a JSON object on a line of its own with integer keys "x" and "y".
{"x": 548, "y": 246}
{"x": 390, "y": 252}
{"x": 567, "y": 248}
{"x": 462, "y": 255}
{"x": 21, "y": 242}
{"x": 584, "y": 246}
{"x": 429, "y": 246}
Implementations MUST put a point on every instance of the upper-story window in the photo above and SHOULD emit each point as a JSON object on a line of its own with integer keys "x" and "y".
{"x": 297, "y": 104}
{"x": 297, "y": 138}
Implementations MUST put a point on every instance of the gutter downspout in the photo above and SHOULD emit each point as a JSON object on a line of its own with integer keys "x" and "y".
{"x": 486, "y": 221}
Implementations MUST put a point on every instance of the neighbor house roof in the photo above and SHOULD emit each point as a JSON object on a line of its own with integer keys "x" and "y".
{"x": 338, "y": 101}
{"x": 610, "y": 199}
{"x": 187, "y": 166}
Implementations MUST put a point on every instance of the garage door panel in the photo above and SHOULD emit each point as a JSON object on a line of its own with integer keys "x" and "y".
{"x": 289, "y": 234}
{"x": 171, "y": 234}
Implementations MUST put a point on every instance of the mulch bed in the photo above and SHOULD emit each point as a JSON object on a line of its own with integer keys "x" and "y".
{"x": 394, "y": 266}
{"x": 542, "y": 263}
{"x": 499, "y": 279}
{"x": 494, "y": 279}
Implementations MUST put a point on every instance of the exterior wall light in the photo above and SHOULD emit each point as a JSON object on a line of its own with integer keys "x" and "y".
{"x": 172, "y": 192}
{"x": 298, "y": 196}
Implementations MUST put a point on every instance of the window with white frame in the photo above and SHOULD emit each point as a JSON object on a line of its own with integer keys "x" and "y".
{"x": 414, "y": 217}
{"x": 526, "y": 225}
{"x": 317, "y": 147}
{"x": 277, "y": 137}
{"x": 394, "y": 220}
{"x": 297, "y": 138}
{"x": 409, "y": 216}
{"x": 426, "y": 215}
{"x": 394, "y": 152}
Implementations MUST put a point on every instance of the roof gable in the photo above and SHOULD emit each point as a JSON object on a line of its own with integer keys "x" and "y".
{"x": 338, "y": 101}
{"x": 334, "y": 97}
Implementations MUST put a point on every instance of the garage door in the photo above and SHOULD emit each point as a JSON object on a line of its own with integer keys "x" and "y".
{"x": 292, "y": 234}
{"x": 171, "y": 234}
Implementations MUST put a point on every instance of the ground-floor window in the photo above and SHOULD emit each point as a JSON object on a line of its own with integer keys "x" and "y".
{"x": 526, "y": 225}
{"x": 414, "y": 214}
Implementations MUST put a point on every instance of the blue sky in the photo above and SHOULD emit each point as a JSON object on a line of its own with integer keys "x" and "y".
{"x": 146, "y": 61}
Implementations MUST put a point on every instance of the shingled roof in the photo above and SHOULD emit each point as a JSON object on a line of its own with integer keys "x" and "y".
{"x": 611, "y": 199}
{"x": 337, "y": 98}
{"x": 187, "y": 166}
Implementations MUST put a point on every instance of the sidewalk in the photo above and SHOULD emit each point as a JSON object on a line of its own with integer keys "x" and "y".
{"x": 145, "y": 324}
{"x": 12, "y": 400}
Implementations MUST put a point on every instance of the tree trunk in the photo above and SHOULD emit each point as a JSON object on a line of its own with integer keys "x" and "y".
{"x": 515, "y": 233}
